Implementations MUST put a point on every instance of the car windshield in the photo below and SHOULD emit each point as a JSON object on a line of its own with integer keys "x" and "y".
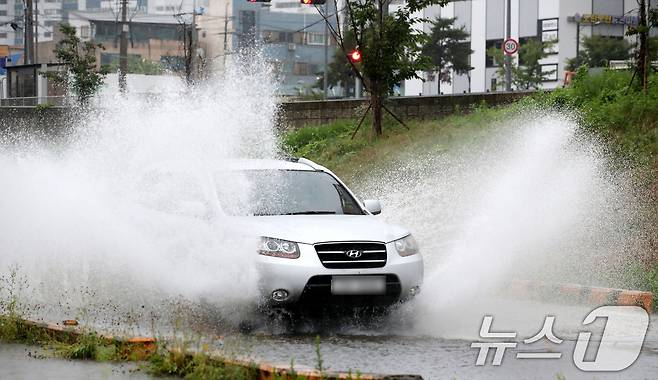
{"x": 283, "y": 192}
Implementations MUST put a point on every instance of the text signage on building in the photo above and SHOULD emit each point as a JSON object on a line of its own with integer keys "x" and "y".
{"x": 609, "y": 19}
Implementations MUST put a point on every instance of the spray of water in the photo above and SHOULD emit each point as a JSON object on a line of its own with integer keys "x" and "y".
{"x": 98, "y": 224}
{"x": 535, "y": 200}
{"x": 83, "y": 220}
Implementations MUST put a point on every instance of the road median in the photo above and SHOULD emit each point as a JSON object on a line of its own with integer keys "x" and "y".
{"x": 578, "y": 294}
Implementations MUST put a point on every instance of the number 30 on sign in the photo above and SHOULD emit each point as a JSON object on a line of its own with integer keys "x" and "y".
{"x": 510, "y": 46}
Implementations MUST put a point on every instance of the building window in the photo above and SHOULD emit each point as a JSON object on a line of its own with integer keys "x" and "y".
{"x": 271, "y": 36}
{"x": 85, "y": 31}
{"x": 548, "y": 31}
{"x": 3, "y": 1}
{"x": 315, "y": 38}
{"x": 497, "y": 44}
{"x": 550, "y": 72}
{"x": 48, "y": 34}
{"x": 3, "y": 13}
{"x": 3, "y": 35}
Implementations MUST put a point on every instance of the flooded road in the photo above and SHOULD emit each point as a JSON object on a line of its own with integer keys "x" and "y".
{"x": 442, "y": 359}
{"x": 19, "y": 362}
{"x": 419, "y": 349}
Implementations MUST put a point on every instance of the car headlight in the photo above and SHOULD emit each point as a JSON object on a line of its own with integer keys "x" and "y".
{"x": 278, "y": 248}
{"x": 406, "y": 246}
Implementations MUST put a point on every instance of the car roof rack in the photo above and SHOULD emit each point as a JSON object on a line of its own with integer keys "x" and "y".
{"x": 290, "y": 158}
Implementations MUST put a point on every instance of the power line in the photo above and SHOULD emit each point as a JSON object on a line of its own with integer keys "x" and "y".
{"x": 322, "y": 19}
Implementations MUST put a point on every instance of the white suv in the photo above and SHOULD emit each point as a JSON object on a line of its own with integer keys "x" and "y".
{"x": 320, "y": 244}
{"x": 317, "y": 243}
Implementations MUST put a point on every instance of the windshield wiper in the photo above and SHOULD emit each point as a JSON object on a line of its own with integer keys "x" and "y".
{"x": 311, "y": 213}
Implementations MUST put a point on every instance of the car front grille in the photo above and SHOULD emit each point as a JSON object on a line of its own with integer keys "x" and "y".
{"x": 352, "y": 255}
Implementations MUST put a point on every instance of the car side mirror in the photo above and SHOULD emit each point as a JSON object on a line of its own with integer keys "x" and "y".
{"x": 373, "y": 206}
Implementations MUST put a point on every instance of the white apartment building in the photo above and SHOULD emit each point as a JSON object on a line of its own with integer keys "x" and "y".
{"x": 485, "y": 21}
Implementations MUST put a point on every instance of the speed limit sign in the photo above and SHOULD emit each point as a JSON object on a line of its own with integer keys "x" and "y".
{"x": 510, "y": 46}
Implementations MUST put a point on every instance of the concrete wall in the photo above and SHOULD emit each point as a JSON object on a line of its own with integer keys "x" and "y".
{"x": 57, "y": 120}
{"x": 299, "y": 114}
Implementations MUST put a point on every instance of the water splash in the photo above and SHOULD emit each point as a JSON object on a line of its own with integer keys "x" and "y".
{"x": 537, "y": 199}
{"x": 76, "y": 216}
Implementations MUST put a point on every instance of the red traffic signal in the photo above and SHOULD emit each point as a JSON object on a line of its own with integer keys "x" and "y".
{"x": 312, "y": 2}
{"x": 355, "y": 55}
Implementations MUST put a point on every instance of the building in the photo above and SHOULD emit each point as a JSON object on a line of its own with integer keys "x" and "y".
{"x": 50, "y": 13}
{"x": 292, "y": 36}
{"x": 156, "y": 38}
{"x": 544, "y": 19}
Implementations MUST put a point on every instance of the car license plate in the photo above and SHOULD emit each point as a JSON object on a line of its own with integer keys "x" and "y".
{"x": 358, "y": 285}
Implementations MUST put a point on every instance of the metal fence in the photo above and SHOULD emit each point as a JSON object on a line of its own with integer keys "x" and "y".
{"x": 33, "y": 101}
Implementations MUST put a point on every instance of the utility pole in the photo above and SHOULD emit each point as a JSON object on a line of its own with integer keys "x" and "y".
{"x": 36, "y": 31}
{"x": 226, "y": 18}
{"x": 28, "y": 31}
{"x": 123, "y": 46}
{"x": 508, "y": 58}
{"x": 193, "y": 44}
{"x": 325, "y": 74}
{"x": 643, "y": 53}
{"x": 578, "y": 42}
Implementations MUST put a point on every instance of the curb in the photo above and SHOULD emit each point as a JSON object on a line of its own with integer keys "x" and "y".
{"x": 141, "y": 348}
{"x": 579, "y": 294}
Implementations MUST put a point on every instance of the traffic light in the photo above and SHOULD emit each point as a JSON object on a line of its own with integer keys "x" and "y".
{"x": 312, "y": 2}
{"x": 355, "y": 55}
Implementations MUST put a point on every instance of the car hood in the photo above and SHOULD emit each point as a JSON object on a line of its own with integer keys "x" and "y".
{"x": 311, "y": 229}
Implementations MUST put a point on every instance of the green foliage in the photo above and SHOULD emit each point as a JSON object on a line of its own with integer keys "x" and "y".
{"x": 609, "y": 106}
{"x": 447, "y": 48}
{"x": 86, "y": 347}
{"x": 180, "y": 362}
{"x": 340, "y": 69}
{"x": 526, "y": 74}
{"x": 308, "y": 141}
{"x": 597, "y": 51}
{"x": 331, "y": 145}
{"x": 43, "y": 106}
{"x": 79, "y": 57}
{"x": 318, "y": 356}
{"x": 644, "y": 277}
{"x": 389, "y": 43}
{"x": 136, "y": 65}
{"x": 13, "y": 329}
{"x": 390, "y": 46}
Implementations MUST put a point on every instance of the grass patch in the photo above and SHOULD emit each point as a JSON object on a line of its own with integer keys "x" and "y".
{"x": 332, "y": 145}
{"x": 181, "y": 362}
{"x": 622, "y": 114}
{"x": 643, "y": 276}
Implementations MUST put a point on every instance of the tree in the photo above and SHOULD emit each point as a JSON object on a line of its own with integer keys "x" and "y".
{"x": 81, "y": 74}
{"x": 389, "y": 44}
{"x": 647, "y": 21}
{"x": 340, "y": 69}
{"x": 447, "y": 49}
{"x": 528, "y": 73}
{"x": 598, "y": 50}
{"x": 136, "y": 65}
